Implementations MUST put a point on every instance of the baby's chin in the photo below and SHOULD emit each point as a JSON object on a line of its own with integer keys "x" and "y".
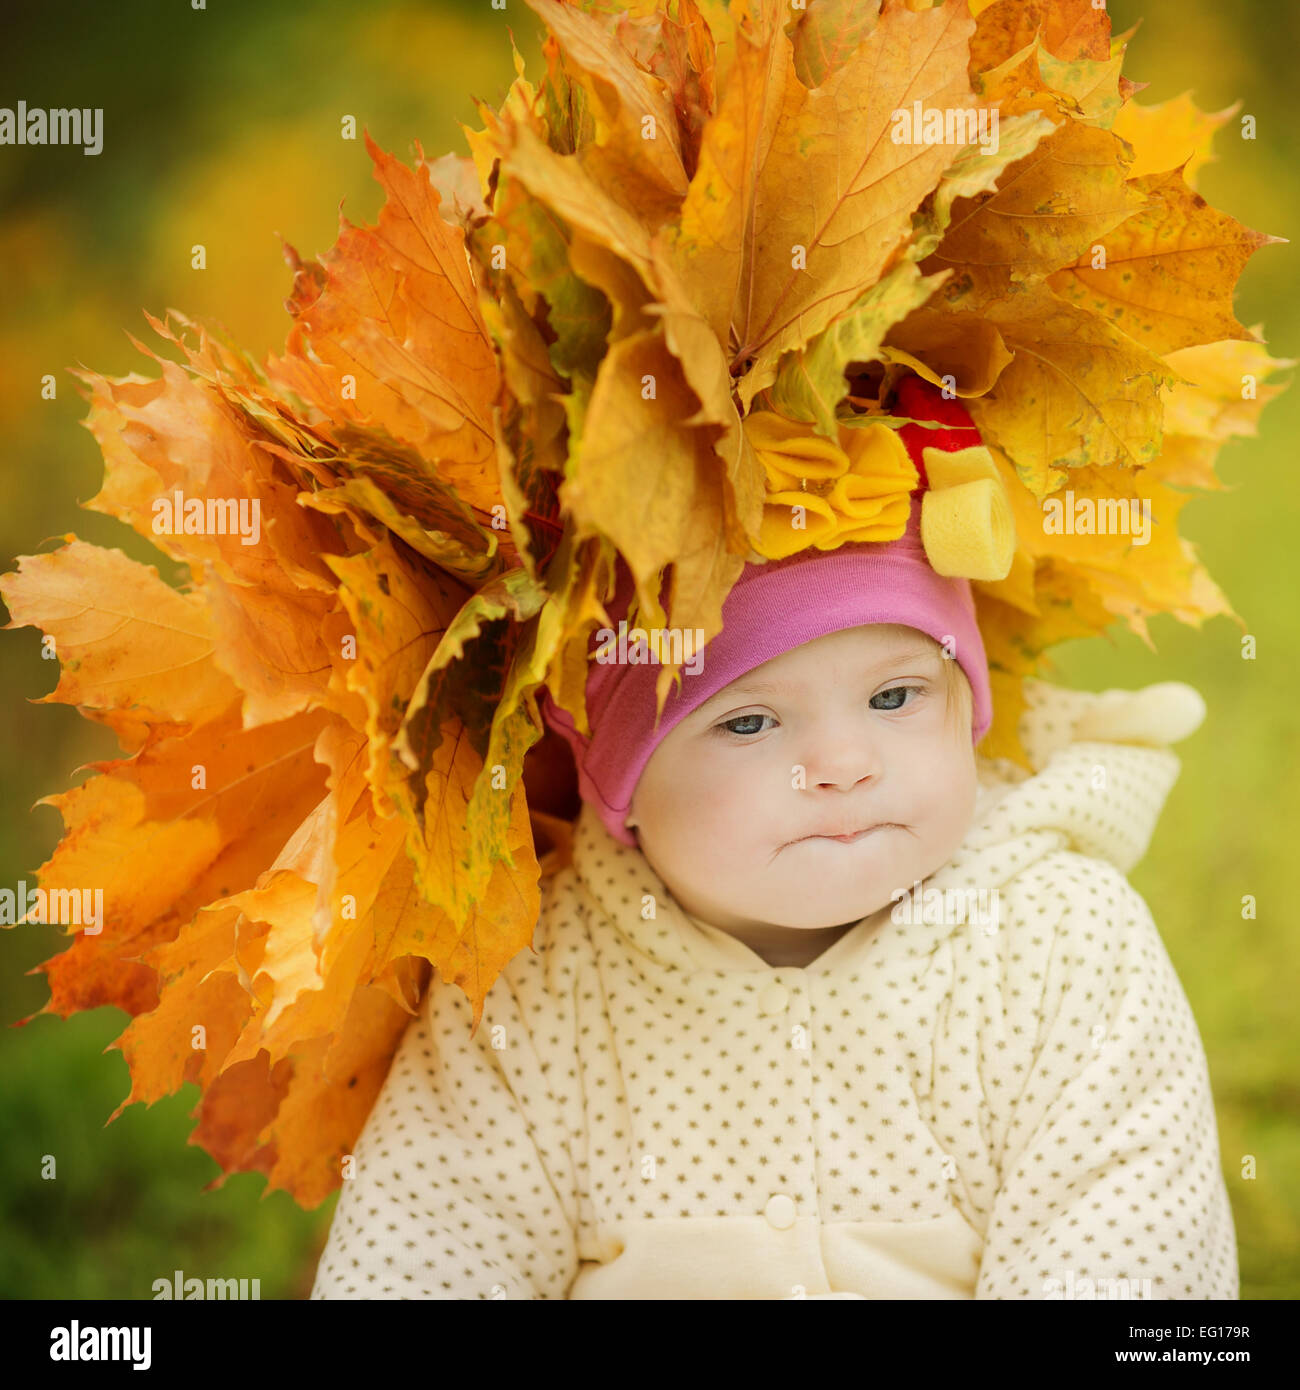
{"x": 817, "y": 905}
{"x": 824, "y": 883}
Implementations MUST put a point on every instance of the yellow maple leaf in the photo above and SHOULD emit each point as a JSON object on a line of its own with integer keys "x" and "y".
{"x": 1167, "y": 273}
{"x": 1171, "y": 134}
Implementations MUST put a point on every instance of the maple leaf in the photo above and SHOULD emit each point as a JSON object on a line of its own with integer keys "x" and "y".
{"x": 827, "y": 33}
{"x": 1049, "y": 410}
{"x": 636, "y": 148}
{"x": 1170, "y": 135}
{"x": 397, "y": 316}
{"x": 1208, "y": 406}
{"x": 109, "y": 616}
{"x": 673, "y": 278}
{"x": 1047, "y": 209}
{"x": 1169, "y": 269}
{"x": 1070, "y": 29}
{"x": 792, "y": 198}
{"x": 1087, "y": 91}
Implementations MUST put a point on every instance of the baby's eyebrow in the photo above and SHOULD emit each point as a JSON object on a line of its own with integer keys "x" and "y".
{"x": 744, "y": 687}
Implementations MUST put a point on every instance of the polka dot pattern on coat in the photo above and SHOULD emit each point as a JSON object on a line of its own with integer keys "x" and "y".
{"x": 929, "y": 1109}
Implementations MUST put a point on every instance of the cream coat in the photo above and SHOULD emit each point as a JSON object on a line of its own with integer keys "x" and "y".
{"x": 932, "y": 1109}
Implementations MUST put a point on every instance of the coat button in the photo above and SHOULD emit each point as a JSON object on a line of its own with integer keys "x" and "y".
{"x": 780, "y": 1212}
{"x": 775, "y": 999}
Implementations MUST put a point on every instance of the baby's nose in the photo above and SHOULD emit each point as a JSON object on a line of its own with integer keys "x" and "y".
{"x": 844, "y": 766}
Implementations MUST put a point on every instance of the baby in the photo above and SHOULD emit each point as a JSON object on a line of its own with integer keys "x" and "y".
{"x": 821, "y": 1003}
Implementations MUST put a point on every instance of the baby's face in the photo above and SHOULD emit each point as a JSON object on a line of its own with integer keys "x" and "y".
{"x": 731, "y": 804}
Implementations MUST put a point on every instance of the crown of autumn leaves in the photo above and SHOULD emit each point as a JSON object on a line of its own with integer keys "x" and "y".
{"x": 671, "y": 296}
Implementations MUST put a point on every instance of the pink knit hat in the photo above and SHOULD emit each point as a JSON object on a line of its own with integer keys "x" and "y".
{"x": 772, "y": 608}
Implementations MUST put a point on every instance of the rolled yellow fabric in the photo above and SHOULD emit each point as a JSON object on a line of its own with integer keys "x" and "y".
{"x": 967, "y": 526}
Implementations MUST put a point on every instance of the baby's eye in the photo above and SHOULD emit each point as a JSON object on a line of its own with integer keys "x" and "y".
{"x": 895, "y": 690}
{"x": 726, "y": 724}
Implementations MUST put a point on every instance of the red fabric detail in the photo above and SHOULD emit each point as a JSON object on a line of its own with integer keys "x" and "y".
{"x": 922, "y": 400}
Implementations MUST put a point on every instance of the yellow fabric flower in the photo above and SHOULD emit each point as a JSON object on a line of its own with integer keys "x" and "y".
{"x": 825, "y": 493}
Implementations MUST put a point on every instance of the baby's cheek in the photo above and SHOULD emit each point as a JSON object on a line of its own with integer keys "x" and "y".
{"x": 962, "y": 808}
{"x": 954, "y": 810}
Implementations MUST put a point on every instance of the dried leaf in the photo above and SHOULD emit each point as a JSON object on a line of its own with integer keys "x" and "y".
{"x": 134, "y": 653}
{"x": 1169, "y": 270}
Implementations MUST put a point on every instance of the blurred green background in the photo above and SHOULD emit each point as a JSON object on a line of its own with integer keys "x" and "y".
{"x": 222, "y": 126}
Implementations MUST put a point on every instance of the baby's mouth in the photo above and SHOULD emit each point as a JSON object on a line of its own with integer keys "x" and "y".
{"x": 850, "y": 839}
